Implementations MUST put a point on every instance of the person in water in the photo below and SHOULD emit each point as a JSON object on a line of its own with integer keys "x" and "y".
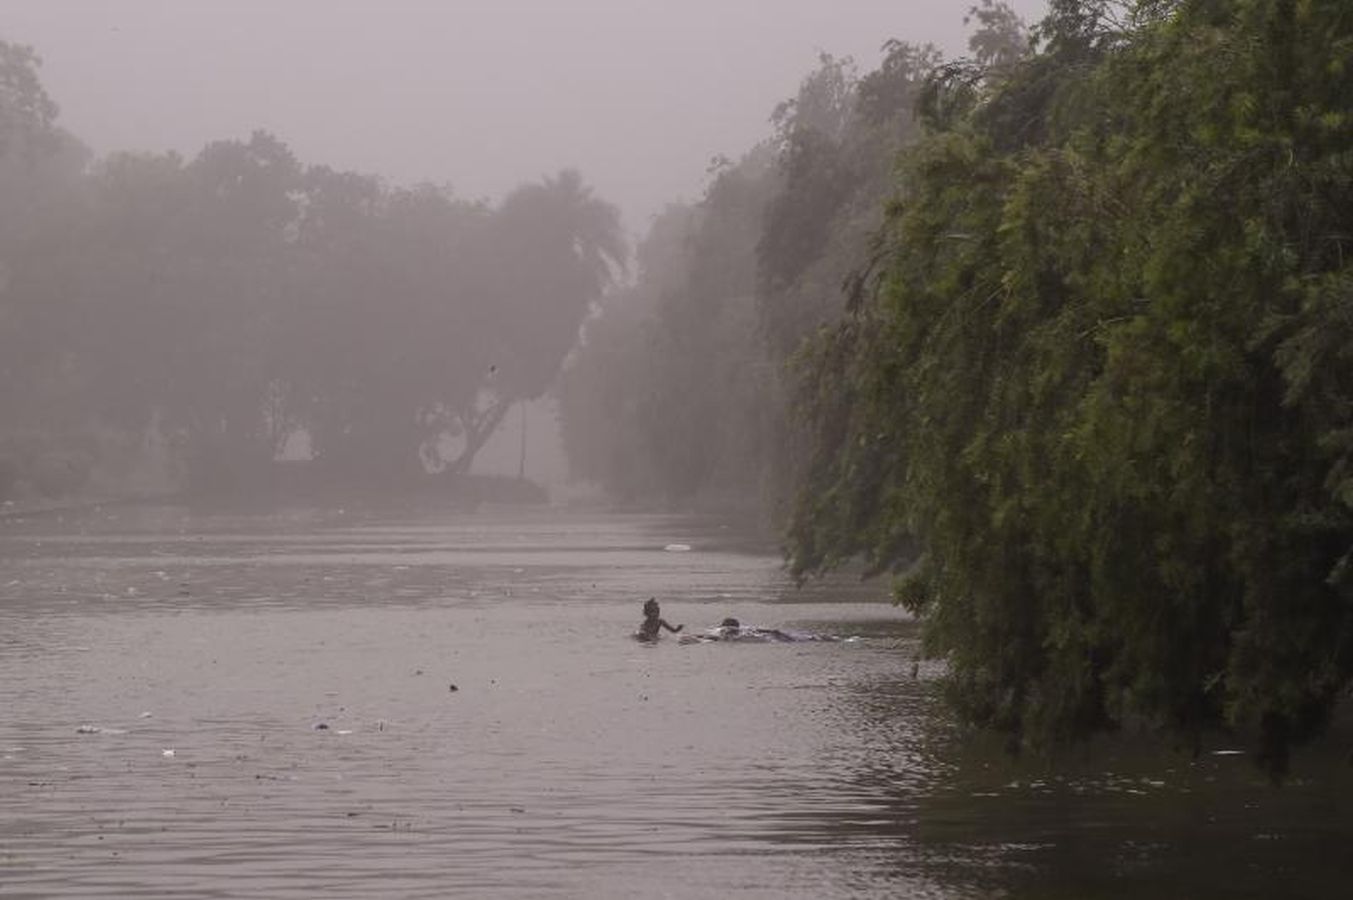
{"x": 653, "y": 622}
{"x": 730, "y": 629}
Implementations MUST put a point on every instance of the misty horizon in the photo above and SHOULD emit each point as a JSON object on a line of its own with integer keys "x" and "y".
{"x": 639, "y": 97}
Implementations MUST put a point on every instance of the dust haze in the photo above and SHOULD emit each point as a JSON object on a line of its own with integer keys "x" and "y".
{"x": 375, "y": 234}
{"x": 637, "y": 94}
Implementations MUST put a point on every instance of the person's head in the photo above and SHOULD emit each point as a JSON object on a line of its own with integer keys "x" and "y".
{"x": 651, "y": 607}
{"x": 730, "y": 623}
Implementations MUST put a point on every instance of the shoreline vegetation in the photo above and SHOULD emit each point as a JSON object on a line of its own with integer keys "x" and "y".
{"x": 1055, "y": 337}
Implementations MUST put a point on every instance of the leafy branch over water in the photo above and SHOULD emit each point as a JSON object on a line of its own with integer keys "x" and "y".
{"x": 1106, "y": 378}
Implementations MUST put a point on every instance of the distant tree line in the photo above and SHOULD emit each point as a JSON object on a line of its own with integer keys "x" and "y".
{"x": 1059, "y": 336}
{"x": 232, "y": 301}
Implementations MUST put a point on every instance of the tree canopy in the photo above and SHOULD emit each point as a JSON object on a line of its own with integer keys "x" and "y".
{"x": 1104, "y": 381}
{"x": 236, "y": 299}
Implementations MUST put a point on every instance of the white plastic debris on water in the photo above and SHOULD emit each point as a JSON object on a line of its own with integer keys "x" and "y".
{"x": 677, "y": 548}
{"x": 167, "y": 752}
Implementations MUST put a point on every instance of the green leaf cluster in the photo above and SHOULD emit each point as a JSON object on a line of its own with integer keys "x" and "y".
{"x": 1105, "y": 380}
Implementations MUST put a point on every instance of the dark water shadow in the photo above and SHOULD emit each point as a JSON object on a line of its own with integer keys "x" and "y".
{"x": 1126, "y": 816}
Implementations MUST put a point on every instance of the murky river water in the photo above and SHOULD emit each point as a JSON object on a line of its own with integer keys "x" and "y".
{"x": 163, "y": 675}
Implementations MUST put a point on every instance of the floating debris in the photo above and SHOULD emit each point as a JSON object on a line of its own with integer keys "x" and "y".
{"x": 168, "y": 752}
{"x": 677, "y": 548}
{"x": 321, "y": 726}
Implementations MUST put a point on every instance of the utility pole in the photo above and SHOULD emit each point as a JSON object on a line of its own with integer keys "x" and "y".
{"x": 521, "y": 465}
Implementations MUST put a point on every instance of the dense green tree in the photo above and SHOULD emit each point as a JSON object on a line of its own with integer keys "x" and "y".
{"x": 1105, "y": 383}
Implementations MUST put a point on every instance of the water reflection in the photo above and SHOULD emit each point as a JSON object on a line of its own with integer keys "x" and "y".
{"x": 1128, "y": 816}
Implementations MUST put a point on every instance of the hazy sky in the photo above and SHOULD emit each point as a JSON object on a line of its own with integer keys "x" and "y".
{"x": 483, "y": 94}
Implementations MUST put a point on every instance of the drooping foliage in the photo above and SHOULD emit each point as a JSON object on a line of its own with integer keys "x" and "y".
{"x": 1105, "y": 380}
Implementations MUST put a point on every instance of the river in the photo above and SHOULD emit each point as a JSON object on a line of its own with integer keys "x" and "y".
{"x": 374, "y": 703}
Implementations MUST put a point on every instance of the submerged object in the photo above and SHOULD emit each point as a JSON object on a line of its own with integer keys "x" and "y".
{"x": 734, "y": 631}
